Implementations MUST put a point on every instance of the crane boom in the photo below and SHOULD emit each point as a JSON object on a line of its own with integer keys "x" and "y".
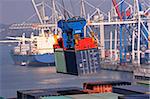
{"x": 117, "y": 9}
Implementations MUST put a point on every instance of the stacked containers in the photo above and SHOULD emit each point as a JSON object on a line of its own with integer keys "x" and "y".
{"x": 102, "y": 86}
{"x": 56, "y": 97}
{"x": 78, "y": 62}
{"x": 81, "y": 55}
{"x": 37, "y": 93}
{"x": 88, "y": 61}
{"x": 138, "y": 96}
{"x": 131, "y": 89}
{"x": 86, "y": 96}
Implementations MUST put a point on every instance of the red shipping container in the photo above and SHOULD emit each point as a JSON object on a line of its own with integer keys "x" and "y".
{"x": 102, "y": 86}
{"x": 86, "y": 43}
{"x": 99, "y": 89}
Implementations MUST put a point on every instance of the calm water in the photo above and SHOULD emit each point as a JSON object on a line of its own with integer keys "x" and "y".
{"x": 13, "y": 77}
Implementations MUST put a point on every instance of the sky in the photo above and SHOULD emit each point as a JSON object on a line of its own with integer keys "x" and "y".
{"x": 12, "y": 11}
{"x": 17, "y": 11}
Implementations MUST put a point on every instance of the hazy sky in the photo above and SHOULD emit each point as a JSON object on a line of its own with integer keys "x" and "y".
{"x": 17, "y": 11}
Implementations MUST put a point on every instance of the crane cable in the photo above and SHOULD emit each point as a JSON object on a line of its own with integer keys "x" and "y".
{"x": 72, "y": 7}
{"x": 65, "y": 12}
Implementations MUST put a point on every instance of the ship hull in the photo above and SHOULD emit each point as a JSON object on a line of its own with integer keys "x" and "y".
{"x": 34, "y": 60}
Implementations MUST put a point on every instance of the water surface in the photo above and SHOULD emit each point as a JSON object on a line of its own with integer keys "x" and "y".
{"x": 14, "y": 77}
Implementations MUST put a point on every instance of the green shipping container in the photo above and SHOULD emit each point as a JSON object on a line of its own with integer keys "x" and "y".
{"x": 108, "y": 95}
{"x": 60, "y": 61}
{"x": 96, "y": 96}
{"x": 86, "y": 96}
{"x": 56, "y": 97}
{"x": 83, "y": 96}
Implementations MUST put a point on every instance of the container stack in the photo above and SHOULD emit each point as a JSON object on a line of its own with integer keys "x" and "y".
{"x": 86, "y": 96}
{"x": 139, "y": 96}
{"x": 37, "y": 93}
{"x": 76, "y": 54}
{"x": 131, "y": 90}
{"x": 77, "y": 62}
{"x": 91, "y": 90}
{"x": 102, "y": 86}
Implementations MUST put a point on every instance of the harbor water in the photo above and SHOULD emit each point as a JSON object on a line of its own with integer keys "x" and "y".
{"x": 15, "y": 77}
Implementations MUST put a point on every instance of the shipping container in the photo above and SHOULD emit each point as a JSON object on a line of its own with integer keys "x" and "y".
{"x": 108, "y": 95}
{"x": 95, "y": 96}
{"x": 102, "y": 86}
{"x": 60, "y": 61}
{"x": 84, "y": 96}
{"x": 55, "y": 97}
{"x": 83, "y": 62}
{"x": 131, "y": 89}
{"x": 138, "y": 96}
{"x": 37, "y": 93}
{"x": 77, "y": 62}
{"x": 88, "y": 61}
{"x": 71, "y": 62}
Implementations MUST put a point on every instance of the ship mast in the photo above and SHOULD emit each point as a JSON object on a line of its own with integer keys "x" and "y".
{"x": 37, "y": 11}
{"x": 54, "y": 15}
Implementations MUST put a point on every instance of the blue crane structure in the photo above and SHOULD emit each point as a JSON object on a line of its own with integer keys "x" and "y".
{"x": 126, "y": 31}
{"x": 70, "y": 28}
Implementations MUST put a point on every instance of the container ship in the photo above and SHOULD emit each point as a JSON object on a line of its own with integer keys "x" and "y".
{"x": 34, "y": 51}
